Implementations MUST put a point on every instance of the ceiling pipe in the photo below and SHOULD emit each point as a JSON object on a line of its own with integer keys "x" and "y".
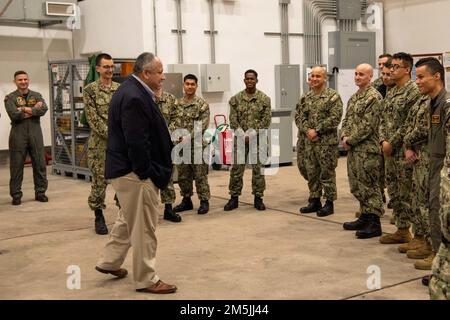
{"x": 284, "y": 33}
{"x": 154, "y": 28}
{"x": 179, "y": 32}
{"x": 212, "y": 31}
{"x": 318, "y": 11}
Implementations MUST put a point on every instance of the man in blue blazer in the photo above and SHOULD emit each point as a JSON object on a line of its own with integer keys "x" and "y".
{"x": 138, "y": 164}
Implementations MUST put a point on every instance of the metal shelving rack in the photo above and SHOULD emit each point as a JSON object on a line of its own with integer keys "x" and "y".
{"x": 69, "y": 136}
{"x": 66, "y": 105}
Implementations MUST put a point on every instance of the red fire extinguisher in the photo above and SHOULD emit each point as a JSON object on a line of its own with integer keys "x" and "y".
{"x": 225, "y": 136}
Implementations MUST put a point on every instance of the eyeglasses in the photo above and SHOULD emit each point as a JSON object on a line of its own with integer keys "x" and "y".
{"x": 106, "y": 67}
{"x": 396, "y": 66}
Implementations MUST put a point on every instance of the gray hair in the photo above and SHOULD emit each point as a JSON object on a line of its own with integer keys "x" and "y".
{"x": 144, "y": 59}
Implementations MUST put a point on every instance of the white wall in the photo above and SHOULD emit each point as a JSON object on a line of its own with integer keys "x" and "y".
{"x": 30, "y": 54}
{"x": 114, "y": 27}
{"x": 417, "y": 26}
{"x": 240, "y": 41}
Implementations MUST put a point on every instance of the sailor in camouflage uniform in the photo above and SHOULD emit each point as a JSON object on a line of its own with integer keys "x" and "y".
{"x": 398, "y": 104}
{"x": 359, "y": 136}
{"x": 320, "y": 113}
{"x": 249, "y": 110}
{"x": 167, "y": 104}
{"x": 390, "y": 84}
{"x": 97, "y": 96}
{"x": 191, "y": 111}
{"x": 384, "y": 63}
{"x": 25, "y": 109}
{"x": 379, "y": 83}
{"x": 417, "y": 154}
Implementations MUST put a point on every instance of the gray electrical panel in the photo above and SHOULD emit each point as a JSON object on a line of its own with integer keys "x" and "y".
{"x": 215, "y": 77}
{"x": 173, "y": 84}
{"x": 347, "y": 49}
{"x": 348, "y": 9}
{"x": 287, "y": 86}
{"x": 280, "y": 139}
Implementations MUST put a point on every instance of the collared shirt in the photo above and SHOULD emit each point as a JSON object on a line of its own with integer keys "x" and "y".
{"x": 146, "y": 87}
{"x": 361, "y": 121}
{"x": 322, "y": 112}
{"x": 96, "y": 98}
{"x": 250, "y": 112}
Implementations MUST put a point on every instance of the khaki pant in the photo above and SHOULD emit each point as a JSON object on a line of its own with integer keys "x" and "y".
{"x": 134, "y": 227}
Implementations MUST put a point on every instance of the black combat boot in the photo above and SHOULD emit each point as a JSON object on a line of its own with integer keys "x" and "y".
{"x": 327, "y": 209}
{"x": 17, "y": 200}
{"x": 372, "y": 228}
{"x": 313, "y": 206}
{"x": 259, "y": 204}
{"x": 41, "y": 197}
{"x": 233, "y": 203}
{"x": 358, "y": 224}
{"x": 426, "y": 280}
{"x": 185, "y": 205}
{"x": 204, "y": 207}
{"x": 100, "y": 225}
{"x": 170, "y": 215}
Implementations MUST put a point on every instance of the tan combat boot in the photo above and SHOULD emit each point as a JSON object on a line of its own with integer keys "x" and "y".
{"x": 414, "y": 244}
{"x": 420, "y": 253}
{"x": 425, "y": 264}
{"x": 402, "y": 235}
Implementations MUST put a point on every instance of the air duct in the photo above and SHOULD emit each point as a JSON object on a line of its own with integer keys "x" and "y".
{"x": 37, "y": 12}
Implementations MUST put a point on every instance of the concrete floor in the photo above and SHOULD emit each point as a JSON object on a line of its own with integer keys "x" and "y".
{"x": 243, "y": 254}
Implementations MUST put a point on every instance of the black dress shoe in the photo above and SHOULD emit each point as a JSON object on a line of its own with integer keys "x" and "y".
{"x": 204, "y": 207}
{"x": 16, "y": 201}
{"x": 233, "y": 203}
{"x": 314, "y": 205}
{"x": 100, "y": 225}
{"x": 358, "y": 224}
{"x": 170, "y": 215}
{"x": 259, "y": 204}
{"x": 327, "y": 209}
{"x": 372, "y": 228}
{"x": 41, "y": 197}
{"x": 185, "y": 205}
